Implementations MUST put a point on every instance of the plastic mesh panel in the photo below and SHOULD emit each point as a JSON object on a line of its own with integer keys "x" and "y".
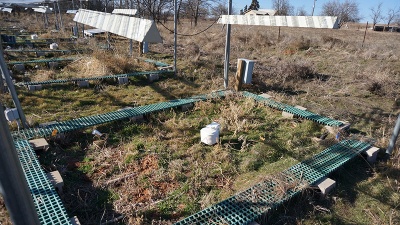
{"x": 295, "y": 111}
{"x": 248, "y": 205}
{"x": 48, "y": 204}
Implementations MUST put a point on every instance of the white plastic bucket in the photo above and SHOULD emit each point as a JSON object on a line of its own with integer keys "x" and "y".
{"x": 209, "y": 136}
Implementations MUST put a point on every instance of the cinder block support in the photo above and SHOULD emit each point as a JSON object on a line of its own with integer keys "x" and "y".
{"x": 334, "y": 130}
{"x": 39, "y": 53}
{"x": 152, "y": 77}
{"x": 74, "y": 221}
{"x": 53, "y": 65}
{"x": 56, "y": 180}
{"x": 19, "y": 68}
{"x": 371, "y": 154}
{"x": 326, "y": 185}
{"x": 34, "y": 87}
{"x": 82, "y": 83}
{"x": 291, "y": 116}
{"x": 137, "y": 119}
{"x": 187, "y": 107}
{"x": 265, "y": 95}
{"x": 39, "y": 144}
{"x": 122, "y": 80}
{"x": 44, "y": 125}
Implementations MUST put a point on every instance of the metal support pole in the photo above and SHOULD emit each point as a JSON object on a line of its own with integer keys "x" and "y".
{"x": 55, "y": 16}
{"x": 11, "y": 88}
{"x": 227, "y": 48}
{"x": 131, "y": 47}
{"x": 312, "y": 14}
{"x": 59, "y": 12}
{"x": 175, "y": 34}
{"x": 13, "y": 185}
{"x": 394, "y": 137}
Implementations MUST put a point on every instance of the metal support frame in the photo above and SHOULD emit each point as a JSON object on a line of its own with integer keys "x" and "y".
{"x": 11, "y": 88}
{"x": 394, "y": 137}
{"x": 175, "y": 33}
{"x": 13, "y": 185}
{"x": 59, "y": 12}
{"x": 313, "y": 8}
{"x": 227, "y": 48}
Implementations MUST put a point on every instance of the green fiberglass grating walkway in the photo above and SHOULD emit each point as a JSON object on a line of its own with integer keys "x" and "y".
{"x": 48, "y": 204}
{"x": 160, "y": 72}
{"x": 250, "y": 204}
{"x": 41, "y": 61}
{"x": 80, "y": 123}
{"x": 88, "y": 121}
{"x": 295, "y": 111}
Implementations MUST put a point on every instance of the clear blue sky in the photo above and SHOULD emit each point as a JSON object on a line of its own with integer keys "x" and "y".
{"x": 364, "y": 6}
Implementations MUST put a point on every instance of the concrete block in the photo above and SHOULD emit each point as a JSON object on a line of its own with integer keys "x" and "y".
{"x": 123, "y": 80}
{"x": 82, "y": 83}
{"x": 56, "y": 180}
{"x": 372, "y": 153}
{"x": 138, "y": 118}
{"x": 291, "y": 116}
{"x": 19, "y": 68}
{"x": 152, "y": 77}
{"x": 326, "y": 185}
{"x": 39, "y": 144}
{"x": 40, "y": 53}
{"x": 187, "y": 107}
{"x": 334, "y": 130}
{"x": 44, "y": 125}
{"x": 53, "y": 65}
{"x": 74, "y": 221}
{"x": 265, "y": 95}
{"x": 34, "y": 87}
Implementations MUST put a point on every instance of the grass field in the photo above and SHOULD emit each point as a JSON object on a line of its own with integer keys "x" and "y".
{"x": 157, "y": 171}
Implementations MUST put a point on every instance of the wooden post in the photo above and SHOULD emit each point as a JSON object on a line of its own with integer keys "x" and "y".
{"x": 140, "y": 48}
{"x": 241, "y": 65}
{"x": 279, "y": 34}
{"x": 365, "y": 34}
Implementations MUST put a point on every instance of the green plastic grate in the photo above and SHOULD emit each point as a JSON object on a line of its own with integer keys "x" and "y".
{"x": 80, "y": 123}
{"x": 48, "y": 204}
{"x": 46, "y": 51}
{"x": 94, "y": 78}
{"x": 41, "y": 61}
{"x": 250, "y": 204}
{"x": 295, "y": 111}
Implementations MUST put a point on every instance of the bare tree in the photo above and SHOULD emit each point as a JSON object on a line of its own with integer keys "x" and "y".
{"x": 282, "y": 7}
{"x": 346, "y": 12}
{"x": 376, "y": 15}
{"x": 392, "y": 15}
{"x": 301, "y": 12}
{"x": 219, "y": 9}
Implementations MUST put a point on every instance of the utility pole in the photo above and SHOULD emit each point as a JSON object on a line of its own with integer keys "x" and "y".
{"x": 312, "y": 14}
{"x": 227, "y": 48}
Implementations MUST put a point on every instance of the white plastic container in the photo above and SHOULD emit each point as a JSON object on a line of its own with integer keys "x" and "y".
{"x": 53, "y": 46}
{"x": 34, "y": 36}
{"x": 11, "y": 114}
{"x": 209, "y": 136}
{"x": 214, "y": 125}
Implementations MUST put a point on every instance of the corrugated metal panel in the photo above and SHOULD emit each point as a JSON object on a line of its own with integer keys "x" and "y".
{"x": 131, "y": 27}
{"x": 42, "y": 10}
{"x": 9, "y": 10}
{"x": 282, "y": 21}
{"x": 131, "y": 12}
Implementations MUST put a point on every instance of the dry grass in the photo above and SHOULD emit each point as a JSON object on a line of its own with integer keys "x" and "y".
{"x": 147, "y": 172}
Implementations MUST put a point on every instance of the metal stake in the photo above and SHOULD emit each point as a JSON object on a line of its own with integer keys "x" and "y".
{"x": 11, "y": 88}
{"x": 227, "y": 48}
{"x": 13, "y": 185}
{"x": 394, "y": 137}
{"x": 175, "y": 34}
